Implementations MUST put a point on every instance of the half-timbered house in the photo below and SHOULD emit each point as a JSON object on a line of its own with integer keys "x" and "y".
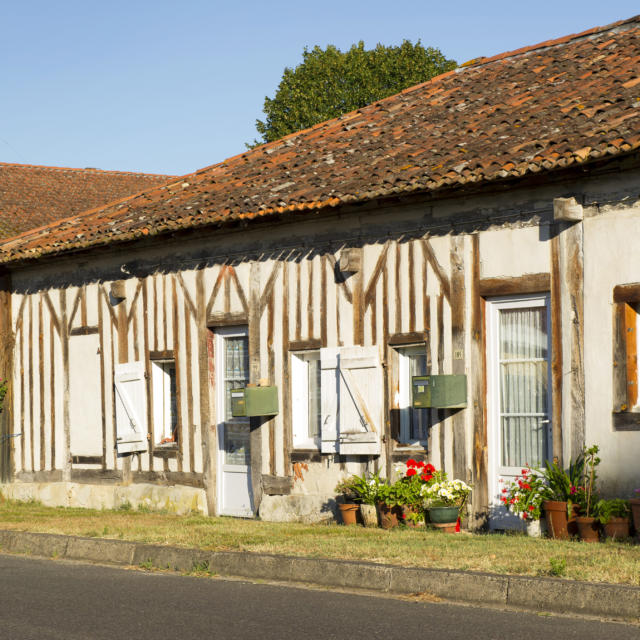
{"x": 479, "y": 224}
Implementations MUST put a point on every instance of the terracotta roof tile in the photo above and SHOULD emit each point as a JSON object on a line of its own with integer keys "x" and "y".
{"x": 540, "y": 108}
{"x": 33, "y": 196}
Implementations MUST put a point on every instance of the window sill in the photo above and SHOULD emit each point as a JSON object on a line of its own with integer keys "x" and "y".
{"x": 166, "y": 450}
{"x": 626, "y": 420}
{"x": 306, "y": 455}
{"x": 417, "y": 446}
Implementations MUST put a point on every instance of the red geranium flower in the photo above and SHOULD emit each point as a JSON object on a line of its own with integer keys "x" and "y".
{"x": 531, "y": 507}
{"x": 429, "y": 468}
{"x": 411, "y": 462}
{"x": 426, "y": 477}
{"x": 504, "y": 491}
{"x": 524, "y": 515}
{"x": 411, "y": 472}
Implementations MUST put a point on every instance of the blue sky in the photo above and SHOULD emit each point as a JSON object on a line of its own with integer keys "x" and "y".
{"x": 172, "y": 87}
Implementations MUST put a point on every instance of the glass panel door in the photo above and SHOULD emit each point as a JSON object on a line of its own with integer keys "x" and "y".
{"x": 234, "y": 459}
{"x": 519, "y": 399}
{"x": 524, "y": 393}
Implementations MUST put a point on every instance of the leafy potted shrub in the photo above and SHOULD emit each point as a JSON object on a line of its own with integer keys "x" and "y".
{"x": 347, "y": 500}
{"x": 524, "y": 497}
{"x": 444, "y": 500}
{"x": 367, "y": 488}
{"x": 559, "y": 497}
{"x": 587, "y": 498}
{"x": 614, "y": 517}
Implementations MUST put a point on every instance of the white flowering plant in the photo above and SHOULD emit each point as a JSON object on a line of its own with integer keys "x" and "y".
{"x": 447, "y": 493}
{"x": 368, "y": 487}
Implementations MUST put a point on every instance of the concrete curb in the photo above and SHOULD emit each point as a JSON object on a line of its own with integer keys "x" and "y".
{"x": 555, "y": 595}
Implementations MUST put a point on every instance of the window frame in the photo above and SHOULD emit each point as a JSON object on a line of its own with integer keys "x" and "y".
{"x": 299, "y": 376}
{"x": 626, "y": 345}
{"x": 405, "y": 410}
{"x": 164, "y": 434}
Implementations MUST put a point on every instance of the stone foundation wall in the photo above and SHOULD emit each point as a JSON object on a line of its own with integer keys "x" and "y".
{"x": 175, "y": 499}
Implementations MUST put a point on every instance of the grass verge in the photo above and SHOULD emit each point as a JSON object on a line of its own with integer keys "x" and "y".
{"x": 612, "y": 562}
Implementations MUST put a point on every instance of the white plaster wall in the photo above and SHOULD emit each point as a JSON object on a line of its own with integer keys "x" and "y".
{"x": 611, "y": 257}
{"x": 514, "y": 252}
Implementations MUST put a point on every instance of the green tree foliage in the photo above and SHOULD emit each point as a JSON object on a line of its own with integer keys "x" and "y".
{"x": 330, "y": 82}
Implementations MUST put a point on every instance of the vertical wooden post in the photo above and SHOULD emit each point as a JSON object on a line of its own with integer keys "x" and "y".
{"x": 208, "y": 430}
{"x": 66, "y": 418}
{"x": 123, "y": 357}
{"x": 571, "y": 276}
{"x": 556, "y": 350}
{"x": 6, "y": 371}
{"x": 478, "y": 394}
{"x": 358, "y": 303}
{"x": 258, "y": 423}
{"x": 457, "y": 344}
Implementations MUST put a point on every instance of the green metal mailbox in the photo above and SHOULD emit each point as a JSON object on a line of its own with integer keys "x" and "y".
{"x": 440, "y": 392}
{"x": 254, "y": 401}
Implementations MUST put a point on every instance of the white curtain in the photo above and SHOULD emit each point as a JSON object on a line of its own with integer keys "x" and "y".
{"x": 523, "y": 386}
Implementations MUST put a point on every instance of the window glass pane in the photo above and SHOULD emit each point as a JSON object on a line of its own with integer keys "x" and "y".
{"x": 171, "y": 420}
{"x": 523, "y": 386}
{"x": 523, "y": 333}
{"x": 419, "y": 417}
{"x": 314, "y": 398}
{"x": 236, "y": 373}
{"x": 236, "y": 444}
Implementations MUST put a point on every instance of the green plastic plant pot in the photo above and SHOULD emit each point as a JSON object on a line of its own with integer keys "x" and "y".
{"x": 443, "y": 515}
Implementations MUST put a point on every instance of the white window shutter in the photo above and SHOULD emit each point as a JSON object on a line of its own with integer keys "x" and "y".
{"x": 329, "y": 393}
{"x": 131, "y": 407}
{"x": 360, "y": 418}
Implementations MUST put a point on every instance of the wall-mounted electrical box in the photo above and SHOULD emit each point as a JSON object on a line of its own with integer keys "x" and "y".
{"x": 254, "y": 401}
{"x": 440, "y": 392}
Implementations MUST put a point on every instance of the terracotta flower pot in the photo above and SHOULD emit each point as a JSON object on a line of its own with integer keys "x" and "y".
{"x": 635, "y": 512}
{"x": 388, "y": 515}
{"x": 349, "y": 513}
{"x": 617, "y": 528}
{"x": 412, "y": 522}
{"x": 588, "y": 529}
{"x": 572, "y": 523}
{"x": 555, "y": 513}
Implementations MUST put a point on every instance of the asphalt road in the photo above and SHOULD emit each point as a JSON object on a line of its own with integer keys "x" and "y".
{"x": 46, "y": 599}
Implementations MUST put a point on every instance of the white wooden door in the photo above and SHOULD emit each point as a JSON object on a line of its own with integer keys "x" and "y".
{"x": 234, "y": 453}
{"x": 519, "y": 394}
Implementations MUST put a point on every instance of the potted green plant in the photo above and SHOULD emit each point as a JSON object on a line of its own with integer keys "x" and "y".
{"x": 347, "y": 500}
{"x": 388, "y": 505}
{"x": 524, "y": 497}
{"x": 558, "y": 497}
{"x": 587, "y": 498}
{"x": 614, "y": 517}
{"x": 367, "y": 488}
{"x": 408, "y": 490}
{"x": 444, "y": 500}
